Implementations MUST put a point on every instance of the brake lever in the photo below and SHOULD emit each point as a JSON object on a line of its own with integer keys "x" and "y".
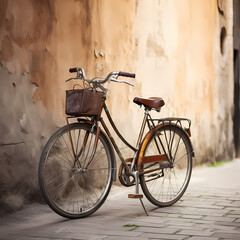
{"x": 80, "y": 75}
{"x": 76, "y": 78}
{"x": 69, "y": 79}
{"x": 120, "y": 81}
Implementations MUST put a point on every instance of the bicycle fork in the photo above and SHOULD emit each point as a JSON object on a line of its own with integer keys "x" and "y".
{"x": 83, "y": 149}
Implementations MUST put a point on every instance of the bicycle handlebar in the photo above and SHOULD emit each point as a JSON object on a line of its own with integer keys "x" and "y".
{"x": 81, "y": 74}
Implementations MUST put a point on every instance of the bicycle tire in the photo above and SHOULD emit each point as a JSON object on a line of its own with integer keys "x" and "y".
{"x": 167, "y": 185}
{"x": 69, "y": 189}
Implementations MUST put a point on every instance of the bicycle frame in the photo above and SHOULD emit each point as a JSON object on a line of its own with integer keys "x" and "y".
{"x": 138, "y": 158}
{"x": 146, "y": 120}
{"x": 123, "y": 139}
{"x": 94, "y": 123}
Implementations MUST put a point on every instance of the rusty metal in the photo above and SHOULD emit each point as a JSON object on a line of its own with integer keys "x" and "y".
{"x": 113, "y": 143}
{"x": 124, "y": 177}
{"x": 95, "y": 146}
{"x": 188, "y": 131}
{"x": 142, "y": 149}
{"x": 70, "y": 138}
{"x": 116, "y": 130}
{"x": 149, "y": 171}
{"x": 97, "y": 137}
{"x": 85, "y": 139}
{"x": 154, "y": 158}
{"x": 135, "y": 195}
{"x": 162, "y": 123}
{"x": 154, "y": 169}
{"x": 135, "y": 157}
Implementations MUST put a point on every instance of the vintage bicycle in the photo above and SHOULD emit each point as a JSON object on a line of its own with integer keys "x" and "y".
{"x": 78, "y": 164}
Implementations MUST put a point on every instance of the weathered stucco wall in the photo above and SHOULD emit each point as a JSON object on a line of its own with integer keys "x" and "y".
{"x": 39, "y": 41}
{"x": 24, "y": 59}
{"x": 173, "y": 46}
{"x": 180, "y": 59}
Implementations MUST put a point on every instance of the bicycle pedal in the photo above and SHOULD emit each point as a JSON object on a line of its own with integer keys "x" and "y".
{"x": 135, "y": 195}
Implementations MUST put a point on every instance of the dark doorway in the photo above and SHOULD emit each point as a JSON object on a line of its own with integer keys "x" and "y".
{"x": 236, "y": 116}
{"x": 236, "y": 44}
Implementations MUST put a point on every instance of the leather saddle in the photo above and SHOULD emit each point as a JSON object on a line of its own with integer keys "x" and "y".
{"x": 150, "y": 103}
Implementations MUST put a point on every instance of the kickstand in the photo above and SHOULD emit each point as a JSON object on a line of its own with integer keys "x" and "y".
{"x": 143, "y": 206}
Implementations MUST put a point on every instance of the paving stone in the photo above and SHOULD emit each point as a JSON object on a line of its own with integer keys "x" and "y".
{"x": 192, "y": 227}
{"x": 180, "y": 222}
{"x": 159, "y": 230}
{"x": 202, "y": 238}
{"x": 214, "y": 222}
{"x": 149, "y": 225}
{"x": 16, "y": 237}
{"x": 83, "y": 236}
{"x": 234, "y": 211}
{"x": 235, "y": 224}
{"x": 233, "y": 236}
{"x": 215, "y": 227}
{"x": 125, "y": 238}
{"x": 196, "y": 233}
{"x": 226, "y": 203}
{"x": 162, "y": 236}
{"x": 222, "y": 219}
{"x": 236, "y": 231}
{"x": 191, "y": 216}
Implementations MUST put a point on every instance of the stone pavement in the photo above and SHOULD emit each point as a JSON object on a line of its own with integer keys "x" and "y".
{"x": 210, "y": 209}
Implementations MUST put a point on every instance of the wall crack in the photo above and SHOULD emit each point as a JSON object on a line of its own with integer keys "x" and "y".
{"x": 11, "y": 144}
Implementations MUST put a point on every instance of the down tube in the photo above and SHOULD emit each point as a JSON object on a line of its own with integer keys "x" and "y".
{"x": 113, "y": 143}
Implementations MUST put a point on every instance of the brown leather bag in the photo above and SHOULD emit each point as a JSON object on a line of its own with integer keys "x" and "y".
{"x": 83, "y": 102}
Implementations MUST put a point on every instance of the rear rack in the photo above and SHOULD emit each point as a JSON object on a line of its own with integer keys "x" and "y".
{"x": 183, "y": 123}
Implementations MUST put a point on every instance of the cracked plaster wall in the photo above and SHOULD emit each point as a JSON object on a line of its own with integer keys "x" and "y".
{"x": 173, "y": 46}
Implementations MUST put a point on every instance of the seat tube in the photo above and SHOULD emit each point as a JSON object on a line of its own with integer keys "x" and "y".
{"x": 142, "y": 128}
{"x": 140, "y": 136}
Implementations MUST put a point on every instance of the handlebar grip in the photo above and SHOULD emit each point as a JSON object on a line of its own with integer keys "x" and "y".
{"x": 125, "y": 74}
{"x": 71, "y": 70}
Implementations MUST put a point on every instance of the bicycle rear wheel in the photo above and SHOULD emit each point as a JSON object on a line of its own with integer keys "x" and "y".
{"x": 166, "y": 185}
{"x": 75, "y": 187}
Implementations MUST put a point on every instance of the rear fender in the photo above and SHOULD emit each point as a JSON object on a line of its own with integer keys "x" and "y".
{"x": 149, "y": 135}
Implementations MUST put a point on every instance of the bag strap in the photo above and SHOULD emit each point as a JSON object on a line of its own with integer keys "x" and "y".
{"x": 76, "y": 85}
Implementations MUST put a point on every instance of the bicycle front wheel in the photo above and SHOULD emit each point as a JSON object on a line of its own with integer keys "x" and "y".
{"x": 164, "y": 183}
{"x": 74, "y": 179}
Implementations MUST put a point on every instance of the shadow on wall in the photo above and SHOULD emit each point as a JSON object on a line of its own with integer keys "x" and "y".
{"x": 24, "y": 127}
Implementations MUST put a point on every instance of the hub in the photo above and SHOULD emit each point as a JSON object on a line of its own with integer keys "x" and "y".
{"x": 79, "y": 170}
